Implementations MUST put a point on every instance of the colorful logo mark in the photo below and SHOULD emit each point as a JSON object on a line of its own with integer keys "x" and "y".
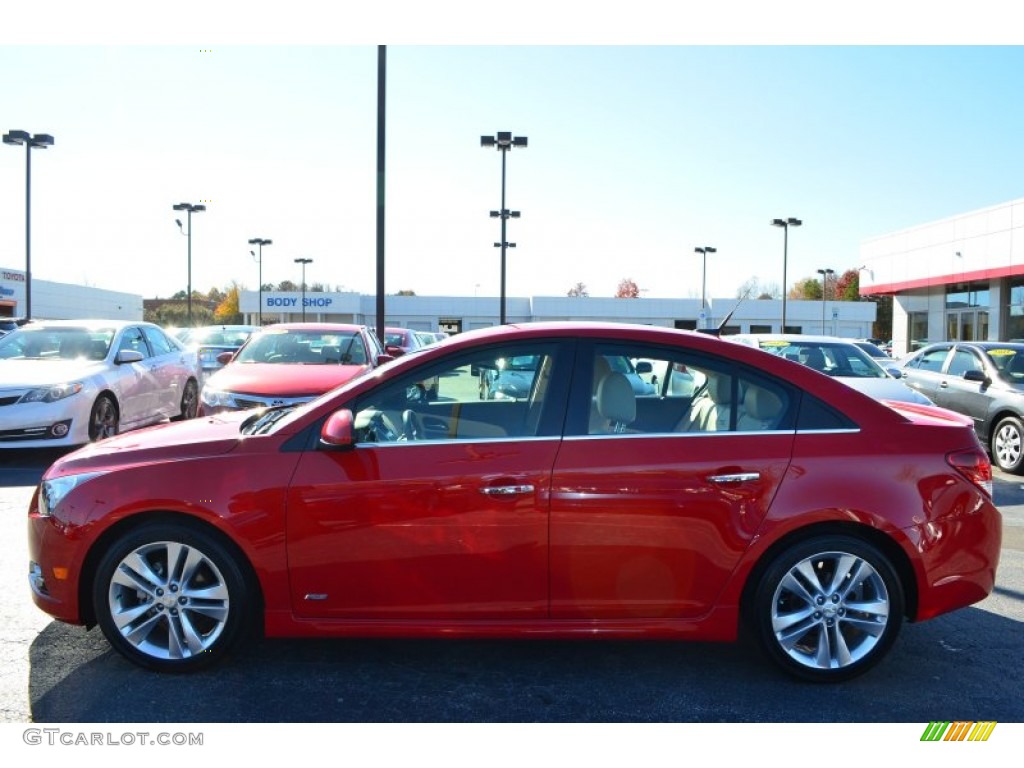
{"x": 958, "y": 731}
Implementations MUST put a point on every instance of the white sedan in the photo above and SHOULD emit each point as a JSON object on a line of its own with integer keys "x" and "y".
{"x": 70, "y": 382}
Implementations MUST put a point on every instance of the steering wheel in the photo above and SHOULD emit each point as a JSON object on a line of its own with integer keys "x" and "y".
{"x": 412, "y": 425}
{"x": 383, "y": 430}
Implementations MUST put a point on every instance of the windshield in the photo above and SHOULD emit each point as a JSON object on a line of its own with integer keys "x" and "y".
{"x": 220, "y": 337}
{"x": 835, "y": 359}
{"x": 56, "y": 343}
{"x": 1009, "y": 362}
{"x": 304, "y": 348}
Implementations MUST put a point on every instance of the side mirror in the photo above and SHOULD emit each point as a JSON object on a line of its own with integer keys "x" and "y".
{"x": 394, "y": 351}
{"x": 225, "y": 357}
{"x": 644, "y": 366}
{"x": 896, "y": 373}
{"x": 336, "y": 432}
{"x": 128, "y": 356}
{"x": 381, "y": 359}
{"x": 975, "y": 375}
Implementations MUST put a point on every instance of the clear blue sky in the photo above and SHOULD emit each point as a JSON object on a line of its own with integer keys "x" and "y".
{"x": 637, "y": 153}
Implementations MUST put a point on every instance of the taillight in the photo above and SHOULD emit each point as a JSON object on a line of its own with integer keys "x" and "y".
{"x": 975, "y": 466}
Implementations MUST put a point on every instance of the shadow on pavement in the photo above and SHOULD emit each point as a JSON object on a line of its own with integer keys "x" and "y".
{"x": 945, "y": 669}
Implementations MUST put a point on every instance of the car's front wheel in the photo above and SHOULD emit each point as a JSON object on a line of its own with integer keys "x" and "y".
{"x": 170, "y": 597}
{"x": 828, "y": 609}
{"x": 1008, "y": 445}
{"x": 189, "y": 401}
{"x": 103, "y": 418}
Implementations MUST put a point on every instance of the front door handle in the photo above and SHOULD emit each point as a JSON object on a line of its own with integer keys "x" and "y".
{"x": 733, "y": 479}
{"x": 506, "y": 490}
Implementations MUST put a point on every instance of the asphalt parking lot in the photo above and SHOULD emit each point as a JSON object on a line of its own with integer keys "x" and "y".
{"x": 964, "y": 666}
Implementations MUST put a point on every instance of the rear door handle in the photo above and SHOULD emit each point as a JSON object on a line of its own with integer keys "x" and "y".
{"x": 506, "y": 490}
{"x": 733, "y": 479}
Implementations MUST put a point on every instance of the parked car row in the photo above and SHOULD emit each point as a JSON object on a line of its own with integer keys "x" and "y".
{"x": 723, "y": 493}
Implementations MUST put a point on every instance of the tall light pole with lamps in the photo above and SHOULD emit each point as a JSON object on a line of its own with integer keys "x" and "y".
{"x": 303, "y": 262}
{"x": 824, "y": 294}
{"x": 31, "y": 141}
{"x": 190, "y": 208}
{"x": 260, "y": 242}
{"x": 785, "y": 224}
{"x": 704, "y": 275}
{"x": 503, "y": 142}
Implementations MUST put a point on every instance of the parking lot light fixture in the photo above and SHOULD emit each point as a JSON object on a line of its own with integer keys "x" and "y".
{"x": 704, "y": 274}
{"x": 503, "y": 141}
{"x": 785, "y": 224}
{"x": 190, "y": 208}
{"x": 303, "y": 262}
{"x": 30, "y": 141}
{"x": 260, "y": 242}
{"x": 824, "y": 294}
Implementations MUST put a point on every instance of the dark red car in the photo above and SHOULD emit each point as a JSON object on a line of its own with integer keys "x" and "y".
{"x": 290, "y": 363}
{"x": 761, "y": 496}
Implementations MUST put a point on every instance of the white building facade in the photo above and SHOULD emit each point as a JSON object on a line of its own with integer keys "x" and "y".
{"x": 455, "y": 314}
{"x": 960, "y": 278}
{"x": 64, "y": 301}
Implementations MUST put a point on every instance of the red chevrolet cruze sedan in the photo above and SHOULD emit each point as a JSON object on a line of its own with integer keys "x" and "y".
{"x": 742, "y": 492}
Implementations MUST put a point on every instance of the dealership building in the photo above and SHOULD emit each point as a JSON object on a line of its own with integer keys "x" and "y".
{"x": 455, "y": 314}
{"x": 64, "y": 301}
{"x": 960, "y": 278}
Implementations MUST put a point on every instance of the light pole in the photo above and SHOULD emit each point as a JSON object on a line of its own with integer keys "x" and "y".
{"x": 785, "y": 224}
{"x": 259, "y": 241}
{"x": 303, "y": 262}
{"x": 503, "y": 142}
{"x": 704, "y": 274}
{"x": 824, "y": 294}
{"x": 190, "y": 208}
{"x": 36, "y": 141}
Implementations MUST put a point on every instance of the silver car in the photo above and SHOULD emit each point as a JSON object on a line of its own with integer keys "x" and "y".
{"x": 840, "y": 358}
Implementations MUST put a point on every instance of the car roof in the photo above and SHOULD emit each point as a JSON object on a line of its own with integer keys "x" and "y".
{"x": 313, "y": 327}
{"x": 794, "y": 337}
{"x": 87, "y": 323}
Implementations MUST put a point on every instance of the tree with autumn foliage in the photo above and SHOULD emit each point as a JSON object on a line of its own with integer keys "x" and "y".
{"x": 228, "y": 311}
{"x": 627, "y": 289}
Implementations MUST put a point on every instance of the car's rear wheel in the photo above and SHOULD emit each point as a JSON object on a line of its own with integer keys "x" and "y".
{"x": 828, "y": 609}
{"x": 189, "y": 401}
{"x": 1008, "y": 444}
{"x": 103, "y": 418}
{"x": 171, "y": 597}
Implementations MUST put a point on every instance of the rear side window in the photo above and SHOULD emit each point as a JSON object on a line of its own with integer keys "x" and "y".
{"x": 816, "y": 415}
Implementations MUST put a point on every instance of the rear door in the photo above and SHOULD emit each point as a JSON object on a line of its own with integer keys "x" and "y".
{"x": 650, "y": 514}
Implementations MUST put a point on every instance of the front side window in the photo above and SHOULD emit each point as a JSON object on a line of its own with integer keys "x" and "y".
{"x": 133, "y": 340}
{"x": 497, "y": 393}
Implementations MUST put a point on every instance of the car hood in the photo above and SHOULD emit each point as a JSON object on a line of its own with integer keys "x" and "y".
{"x": 192, "y": 439}
{"x": 885, "y": 389}
{"x": 42, "y": 373}
{"x": 282, "y": 379}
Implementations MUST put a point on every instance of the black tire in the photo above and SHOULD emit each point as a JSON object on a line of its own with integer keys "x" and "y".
{"x": 189, "y": 401}
{"x": 195, "y": 590}
{"x": 821, "y": 631}
{"x": 1008, "y": 445}
{"x": 104, "y": 418}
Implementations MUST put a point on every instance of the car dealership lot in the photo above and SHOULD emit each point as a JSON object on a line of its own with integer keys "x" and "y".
{"x": 953, "y": 667}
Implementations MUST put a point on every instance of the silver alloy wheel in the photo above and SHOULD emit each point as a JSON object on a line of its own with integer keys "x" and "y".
{"x": 1007, "y": 444}
{"x": 103, "y": 420}
{"x": 168, "y": 600}
{"x": 830, "y": 610}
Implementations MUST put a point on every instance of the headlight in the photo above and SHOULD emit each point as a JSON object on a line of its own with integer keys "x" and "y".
{"x": 52, "y": 492}
{"x": 216, "y": 398}
{"x": 51, "y": 394}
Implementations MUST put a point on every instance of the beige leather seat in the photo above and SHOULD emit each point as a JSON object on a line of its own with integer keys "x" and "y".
{"x": 710, "y": 412}
{"x": 762, "y": 409}
{"x": 616, "y": 402}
